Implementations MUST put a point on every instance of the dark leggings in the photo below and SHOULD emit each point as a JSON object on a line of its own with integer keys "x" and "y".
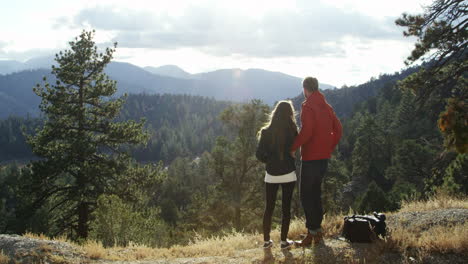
{"x": 271, "y": 190}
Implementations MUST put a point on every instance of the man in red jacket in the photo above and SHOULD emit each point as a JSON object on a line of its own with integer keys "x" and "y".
{"x": 321, "y": 130}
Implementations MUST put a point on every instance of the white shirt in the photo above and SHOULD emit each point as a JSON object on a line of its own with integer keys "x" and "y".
{"x": 290, "y": 177}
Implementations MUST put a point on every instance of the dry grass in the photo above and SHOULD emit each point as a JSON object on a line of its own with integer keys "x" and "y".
{"x": 228, "y": 245}
{"x": 36, "y": 236}
{"x": 200, "y": 247}
{"x": 41, "y": 236}
{"x": 439, "y": 201}
{"x": 440, "y": 239}
{"x": 331, "y": 226}
{"x": 94, "y": 250}
{"x": 4, "y": 259}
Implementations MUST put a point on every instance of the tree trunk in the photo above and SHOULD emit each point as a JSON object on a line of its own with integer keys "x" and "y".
{"x": 82, "y": 220}
{"x": 81, "y": 180}
{"x": 237, "y": 217}
{"x": 237, "y": 207}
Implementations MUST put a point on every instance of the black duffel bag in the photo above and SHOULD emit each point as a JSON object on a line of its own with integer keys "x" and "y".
{"x": 364, "y": 228}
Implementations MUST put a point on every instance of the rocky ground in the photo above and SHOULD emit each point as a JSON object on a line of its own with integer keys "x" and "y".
{"x": 29, "y": 250}
{"x": 333, "y": 250}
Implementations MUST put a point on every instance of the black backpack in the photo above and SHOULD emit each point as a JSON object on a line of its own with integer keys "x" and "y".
{"x": 364, "y": 228}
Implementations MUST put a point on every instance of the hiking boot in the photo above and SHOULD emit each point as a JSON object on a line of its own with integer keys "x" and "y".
{"x": 286, "y": 244}
{"x": 305, "y": 242}
{"x": 268, "y": 244}
{"x": 318, "y": 237}
{"x": 310, "y": 239}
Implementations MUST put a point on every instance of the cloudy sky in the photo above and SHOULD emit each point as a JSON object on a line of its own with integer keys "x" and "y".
{"x": 339, "y": 41}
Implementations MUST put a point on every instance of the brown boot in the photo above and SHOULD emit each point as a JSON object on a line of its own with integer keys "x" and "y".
{"x": 310, "y": 239}
{"x": 317, "y": 238}
{"x": 306, "y": 242}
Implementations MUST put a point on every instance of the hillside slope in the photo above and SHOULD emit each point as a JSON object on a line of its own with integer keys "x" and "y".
{"x": 434, "y": 231}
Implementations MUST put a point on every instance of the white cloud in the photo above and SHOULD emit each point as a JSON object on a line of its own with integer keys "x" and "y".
{"x": 339, "y": 41}
{"x": 314, "y": 31}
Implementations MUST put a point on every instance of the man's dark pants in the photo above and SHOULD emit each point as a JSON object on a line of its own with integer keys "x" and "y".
{"x": 312, "y": 172}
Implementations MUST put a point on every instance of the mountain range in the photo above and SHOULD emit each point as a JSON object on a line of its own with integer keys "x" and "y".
{"x": 18, "y": 78}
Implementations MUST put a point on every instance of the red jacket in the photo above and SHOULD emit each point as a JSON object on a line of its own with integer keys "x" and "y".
{"x": 321, "y": 130}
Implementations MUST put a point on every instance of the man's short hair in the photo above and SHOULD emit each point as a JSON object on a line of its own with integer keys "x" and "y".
{"x": 310, "y": 84}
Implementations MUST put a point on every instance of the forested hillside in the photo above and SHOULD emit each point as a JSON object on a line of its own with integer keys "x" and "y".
{"x": 179, "y": 125}
{"x": 183, "y": 125}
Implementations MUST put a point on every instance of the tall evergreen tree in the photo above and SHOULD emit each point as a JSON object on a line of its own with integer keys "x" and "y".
{"x": 369, "y": 156}
{"x": 442, "y": 41}
{"x": 456, "y": 178}
{"x": 411, "y": 164}
{"x": 80, "y": 141}
{"x": 402, "y": 123}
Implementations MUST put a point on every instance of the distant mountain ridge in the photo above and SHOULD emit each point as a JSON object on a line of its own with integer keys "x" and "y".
{"x": 12, "y": 66}
{"x": 170, "y": 71}
{"x": 17, "y": 97}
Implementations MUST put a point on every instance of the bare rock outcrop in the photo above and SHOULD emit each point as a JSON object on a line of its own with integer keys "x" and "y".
{"x": 20, "y": 249}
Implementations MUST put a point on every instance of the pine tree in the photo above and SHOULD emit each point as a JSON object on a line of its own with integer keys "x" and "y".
{"x": 369, "y": 156}
{"x": 412, "y": 163}
{"x": 442, "y": 42}
{"x": 402, "y": 123}
{"x": 80, "y": 143}
{"x": 456, "y": 177}
{"x": 234, "y": 161}
{"x": 374, "y": 199}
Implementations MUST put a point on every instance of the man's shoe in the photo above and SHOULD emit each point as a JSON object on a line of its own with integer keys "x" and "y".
{"x": 268, "y": 244}
{"x": 286, "y": 244}
{"x": 317, "y": 238}
{"x": 310, "y": 239}
{"x": 306, "y": 242}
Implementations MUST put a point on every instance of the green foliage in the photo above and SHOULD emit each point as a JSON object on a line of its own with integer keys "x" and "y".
{"x": 453, "y": 123}
{"x": 374, "y": 199}
{"x": 456, "y": 177}
{"x": 117, "y": 224}
{"x": 8, "y": 198}
{"x": 79, "y": 143}
{"x": 441, "y": 27}
{"x": 15, "y": 203}
{"x": 234, "y": 162}
{"x": 13, "y": 140}
{"x": 404, "y": 116}
{"x": 403, "y": 191}
{"x": 332, "y": 186}
{"x": 441, "y": 32}
{"x": 369, "y": 156}
{"x": 179, "y": 125}
{"x": 412, "y": 163}
{"x": 396, "y": 147}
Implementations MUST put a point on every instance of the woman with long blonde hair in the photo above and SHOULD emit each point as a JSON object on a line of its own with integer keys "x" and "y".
{"x": 275, "y": 141}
